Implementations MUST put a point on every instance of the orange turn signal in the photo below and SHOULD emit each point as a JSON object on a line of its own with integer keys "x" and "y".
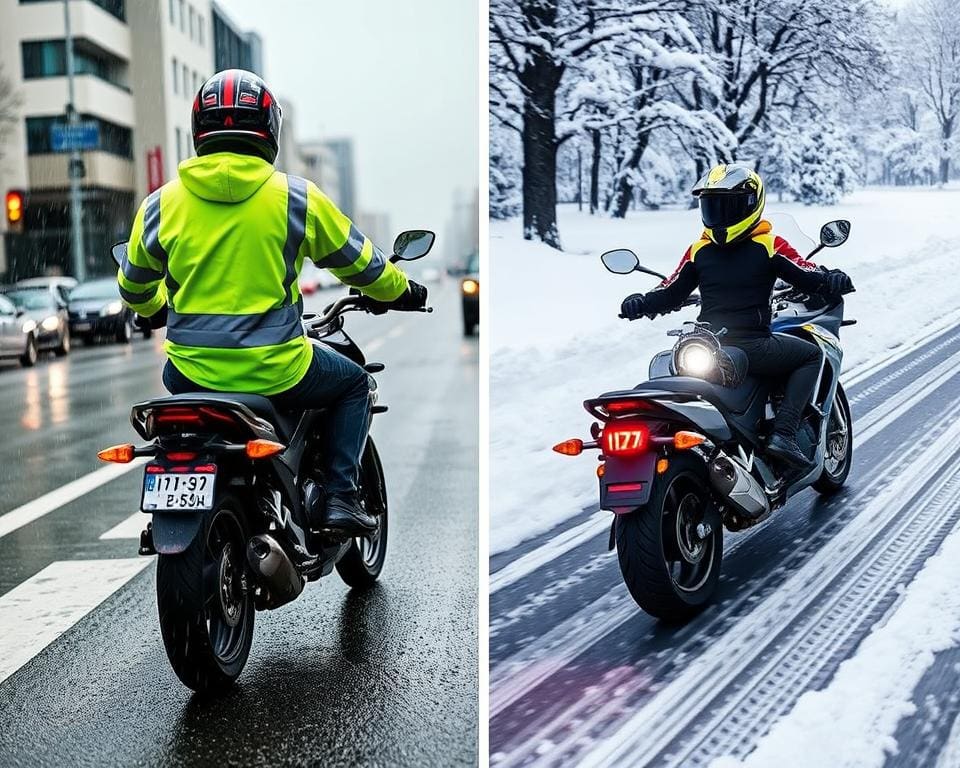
{"x": 572, "y": 447}
{"x": 263, "y": 449}
{"x": 662, "y": 466}
{"x": 601, "y": 470}
{"x": 684, "y": 440}
{"x": 118, "y": 454}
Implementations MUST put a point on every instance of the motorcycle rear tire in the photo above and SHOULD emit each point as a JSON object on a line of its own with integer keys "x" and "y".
{"x": 644, "y": 538}
{"x": 362, "y": 563}
{"x": 185, "y": 604}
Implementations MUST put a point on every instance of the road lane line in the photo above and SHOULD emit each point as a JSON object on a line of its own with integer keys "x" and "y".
{"x": 34, "y": 510}
{"x": 38, "y": 611}
{"x": 127, "y": 529}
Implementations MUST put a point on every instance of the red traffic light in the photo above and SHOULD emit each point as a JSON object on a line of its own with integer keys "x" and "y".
{"x": 14, "y": 207}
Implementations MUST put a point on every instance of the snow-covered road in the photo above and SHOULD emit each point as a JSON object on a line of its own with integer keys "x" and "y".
{"x": 580, "y": 676}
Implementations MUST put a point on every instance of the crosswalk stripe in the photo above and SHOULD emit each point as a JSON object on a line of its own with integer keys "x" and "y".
{"x": 36, "y": 612}
{"x": 127, "y": 529}
{"x": 34, "y": 510}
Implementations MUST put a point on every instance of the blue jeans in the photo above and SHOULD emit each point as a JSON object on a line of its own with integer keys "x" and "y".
{"x": 332, "y": 382}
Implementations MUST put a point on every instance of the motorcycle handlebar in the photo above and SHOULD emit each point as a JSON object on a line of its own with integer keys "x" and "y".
{"x": 343, "y": 304}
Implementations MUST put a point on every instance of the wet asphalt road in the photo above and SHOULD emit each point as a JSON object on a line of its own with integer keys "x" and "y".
{"x": 580, "y": 676}
{"x": 386, "y": 677}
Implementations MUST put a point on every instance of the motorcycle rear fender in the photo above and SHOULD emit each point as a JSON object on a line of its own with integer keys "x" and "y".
{"x": 627, "y": 472}
{"x": 174, "y": 532}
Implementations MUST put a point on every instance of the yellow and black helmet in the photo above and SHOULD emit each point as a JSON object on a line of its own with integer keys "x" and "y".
{"x": 731, "y": 202}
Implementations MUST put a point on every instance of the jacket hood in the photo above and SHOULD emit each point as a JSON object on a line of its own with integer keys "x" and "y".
{"x": 224, "y": 177}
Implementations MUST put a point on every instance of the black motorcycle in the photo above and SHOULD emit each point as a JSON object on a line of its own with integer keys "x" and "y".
{"x": 682, "y": 455}
{"x": 227, "y": 482}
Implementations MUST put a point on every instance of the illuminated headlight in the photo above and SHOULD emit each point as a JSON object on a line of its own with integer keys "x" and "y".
{"x": 50, "y": 323}
{"x": 695, "y": 359}
{"x": 470, "y": 287}
{"x": 28, "y": 326}
{"x": 113, "y": 308}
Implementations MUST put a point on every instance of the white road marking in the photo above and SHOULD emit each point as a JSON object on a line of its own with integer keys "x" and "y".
{"x": 550, "y": 550}
{"x": 36, "y": 612}
{"x": 34, "y": 510}
{"x": 127, "y": 529}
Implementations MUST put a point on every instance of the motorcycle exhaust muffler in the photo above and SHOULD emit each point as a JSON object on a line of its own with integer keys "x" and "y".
{"x": 279, "y": 579}
{"x": 736, "y": 485}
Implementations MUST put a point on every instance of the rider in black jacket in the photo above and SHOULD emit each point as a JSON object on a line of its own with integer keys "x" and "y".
{"x": 735, "y": 264}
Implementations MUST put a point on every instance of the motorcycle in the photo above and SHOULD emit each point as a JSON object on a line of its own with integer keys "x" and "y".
{"x": 682, "y": 454}
{"x": 228, "y": 480}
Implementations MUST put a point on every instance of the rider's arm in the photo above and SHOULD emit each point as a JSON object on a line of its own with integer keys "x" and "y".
{"x": 141, "y": 274}
{"x": 794, "y": 269}
{"x": 333, "y": 242}
{"x": 669, "y": 295}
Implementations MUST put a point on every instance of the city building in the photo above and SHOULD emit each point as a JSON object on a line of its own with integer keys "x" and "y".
{"x": 346, "y": 194}
{"x": 232, "y": 47}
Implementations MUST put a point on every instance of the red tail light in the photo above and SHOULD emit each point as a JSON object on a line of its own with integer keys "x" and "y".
{"x": 193, "y": 416}
{"x": 625, "y": 439}
{"x": 624, "y": 406}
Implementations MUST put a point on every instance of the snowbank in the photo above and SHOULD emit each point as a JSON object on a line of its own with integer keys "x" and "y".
{"x": 555, "y": 338}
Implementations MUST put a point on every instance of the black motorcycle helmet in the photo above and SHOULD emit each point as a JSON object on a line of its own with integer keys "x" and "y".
{"x": 236, "y": 112}
{"x": 731, "y": 198}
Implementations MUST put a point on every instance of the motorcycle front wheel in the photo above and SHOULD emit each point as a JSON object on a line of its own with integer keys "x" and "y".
{"x": 839, "y": 449}
{"x": 669, "y": 562}
{"x": 362, "y": 563}
{"x": 206, "y": 610}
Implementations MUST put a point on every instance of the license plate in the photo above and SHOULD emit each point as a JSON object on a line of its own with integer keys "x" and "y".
{"x": 165, "y": 489}
{"x": 82, "y": 326}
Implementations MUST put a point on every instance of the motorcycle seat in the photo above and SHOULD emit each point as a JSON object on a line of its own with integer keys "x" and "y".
{"x": 734, "y": 399}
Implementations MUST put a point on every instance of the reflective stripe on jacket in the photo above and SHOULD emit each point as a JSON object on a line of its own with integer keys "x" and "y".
{"x": 223, "y": 246}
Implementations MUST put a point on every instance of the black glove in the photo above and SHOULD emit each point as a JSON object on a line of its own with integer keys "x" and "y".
{"x": 412, "y": 299}
{"x": 632, "y": 307}
{"x": 156, "y": 321}
{"x": 839, "y": 283}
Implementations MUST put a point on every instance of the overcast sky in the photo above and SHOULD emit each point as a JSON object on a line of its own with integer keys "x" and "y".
{"x": 399, "y": 76}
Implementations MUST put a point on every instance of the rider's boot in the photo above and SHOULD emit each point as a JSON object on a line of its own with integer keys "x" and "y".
{"x": 343, "y": 514}
{"x": 785, "y": 448}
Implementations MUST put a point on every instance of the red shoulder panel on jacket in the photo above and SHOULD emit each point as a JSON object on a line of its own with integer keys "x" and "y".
{"x": 687, "y": 259}
{"x": 783, "y": 248}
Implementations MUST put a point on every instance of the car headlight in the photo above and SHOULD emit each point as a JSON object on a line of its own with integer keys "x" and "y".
{"x": 28, "y": 326}
{"x": 695, "y": 359}
{"x": 50, "y": 323}
{"x": 470, "y": 287}
{"x": 113, "y": 308}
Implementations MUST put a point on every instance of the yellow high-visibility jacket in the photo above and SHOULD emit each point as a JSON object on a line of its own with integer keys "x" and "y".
{"x": 222, "y": 246}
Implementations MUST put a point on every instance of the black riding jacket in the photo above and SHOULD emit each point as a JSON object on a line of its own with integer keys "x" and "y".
{"x": 736, "y": 280}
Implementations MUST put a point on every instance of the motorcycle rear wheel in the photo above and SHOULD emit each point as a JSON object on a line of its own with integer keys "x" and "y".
{"x": 670, "y": 572}
{"x": 362, "y": 563}
{"x": 206, "y": 611}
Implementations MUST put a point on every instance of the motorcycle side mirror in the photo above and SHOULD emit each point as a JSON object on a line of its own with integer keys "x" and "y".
{"x": 119, "y": 252}
{"x": 621, "y": 261}
{"x": 412, "y": 244}
{"x": 834, "y": 233}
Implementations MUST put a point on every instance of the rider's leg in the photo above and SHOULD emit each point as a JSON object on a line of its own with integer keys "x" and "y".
{"x": 342, "y": 387}
{"x": 780, "y": 356}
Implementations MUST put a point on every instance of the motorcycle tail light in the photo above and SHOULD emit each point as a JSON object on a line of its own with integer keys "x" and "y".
{"x": 625, "y": 406}
{"x": 625, "y": 439}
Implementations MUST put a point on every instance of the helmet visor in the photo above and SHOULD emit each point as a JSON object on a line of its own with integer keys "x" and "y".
{"x": 725, "y": 210}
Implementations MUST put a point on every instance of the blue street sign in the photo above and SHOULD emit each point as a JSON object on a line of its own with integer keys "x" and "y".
{"x": 66, "y": 138}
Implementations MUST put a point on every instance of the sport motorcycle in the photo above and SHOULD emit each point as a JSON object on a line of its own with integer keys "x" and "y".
{"x": 682, "y": 454}
{"x": 227, "y": 481}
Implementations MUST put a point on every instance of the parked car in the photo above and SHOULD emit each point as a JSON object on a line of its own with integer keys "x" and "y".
{"x": 59, "y": 287}
{"x": 470, "y": 294}
{"x": 95, "y": 310}
{"x": 17, "y": 334}
{"x": 50, "y": 315}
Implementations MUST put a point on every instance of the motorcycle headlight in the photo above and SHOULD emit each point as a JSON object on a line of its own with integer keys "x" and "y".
{"x": 695, "y": 359}
{"x": 50, "y": 323}
{"x": 113, "y": 308}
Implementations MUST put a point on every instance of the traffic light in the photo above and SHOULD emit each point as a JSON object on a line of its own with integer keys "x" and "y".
{"x": 14, "y": 207}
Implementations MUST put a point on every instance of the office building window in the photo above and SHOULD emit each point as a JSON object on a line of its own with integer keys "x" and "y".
{"x": 183, "y": 18}
{"x": 186, "y": 81}
{"x": 179, "y": 146}
{"x": 48, "y": 58}
{"x": 114, "y": 139}
{"x": 176, "y": 76}
{"x": 116, "y": 8}
{"x": 173, "y": 12}
{"x": 193, "y": 23}
{"x": 200, "y": 29}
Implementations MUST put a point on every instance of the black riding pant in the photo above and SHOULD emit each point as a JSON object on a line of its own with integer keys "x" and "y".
{"x": 789, "y": 358}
